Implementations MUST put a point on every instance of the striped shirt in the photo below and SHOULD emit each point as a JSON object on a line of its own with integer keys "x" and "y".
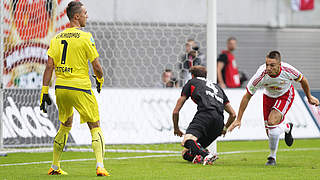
{"x": 274, "y": 86}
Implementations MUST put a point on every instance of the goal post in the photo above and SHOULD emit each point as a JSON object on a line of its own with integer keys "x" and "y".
{"x": 1, "y": 73}
{"x": 212, "y": 50}
{"x": 136, "y": 47}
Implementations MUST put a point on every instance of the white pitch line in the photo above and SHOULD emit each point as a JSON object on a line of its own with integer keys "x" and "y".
{"x": 40, "y": 150}
{"x": 91, "y": 159}
{"x": 125, "y": 151}
{"x": 152, "y": 156}
{"x": 267, "y": 150}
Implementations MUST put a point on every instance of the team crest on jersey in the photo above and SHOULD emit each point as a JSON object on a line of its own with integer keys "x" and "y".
{"x": 92, "y": 40}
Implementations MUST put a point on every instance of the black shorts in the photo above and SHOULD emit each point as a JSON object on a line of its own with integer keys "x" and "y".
{"x": 206, "y": 126}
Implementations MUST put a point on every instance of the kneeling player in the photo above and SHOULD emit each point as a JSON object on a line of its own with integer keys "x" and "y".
{"x": 208, "y": 122}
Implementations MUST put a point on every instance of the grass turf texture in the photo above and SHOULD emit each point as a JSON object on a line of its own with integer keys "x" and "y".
{"x": 290, "y": 164}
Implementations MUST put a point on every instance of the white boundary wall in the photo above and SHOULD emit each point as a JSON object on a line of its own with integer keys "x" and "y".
{"x": 145, "y": 116}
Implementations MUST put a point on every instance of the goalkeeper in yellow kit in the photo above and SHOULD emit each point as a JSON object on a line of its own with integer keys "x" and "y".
{"x": 68, "y": 55}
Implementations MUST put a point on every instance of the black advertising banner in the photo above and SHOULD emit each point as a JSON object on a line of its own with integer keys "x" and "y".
{"x": 23, "y": 122}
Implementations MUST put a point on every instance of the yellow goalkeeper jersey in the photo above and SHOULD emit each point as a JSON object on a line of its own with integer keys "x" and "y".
{"x": 71, "y": 49}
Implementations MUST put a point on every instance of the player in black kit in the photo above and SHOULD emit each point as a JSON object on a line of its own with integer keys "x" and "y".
{"x": 208, "y": 122}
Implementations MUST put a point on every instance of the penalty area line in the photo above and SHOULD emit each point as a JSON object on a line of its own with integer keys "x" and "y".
{"x": 154, "y": 156}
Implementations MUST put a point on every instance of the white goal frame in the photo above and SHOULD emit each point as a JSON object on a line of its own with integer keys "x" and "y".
{"x": 211, "y": 59}
{"x": 212, "y": 50}
{"x": 1, "y": 72}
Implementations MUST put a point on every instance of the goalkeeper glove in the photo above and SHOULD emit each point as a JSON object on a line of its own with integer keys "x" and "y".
{"x": 99, "y": 82}
{"x": 44, "y": 98}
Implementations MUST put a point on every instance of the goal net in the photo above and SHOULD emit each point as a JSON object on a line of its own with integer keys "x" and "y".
{"x": 137, "y": 42}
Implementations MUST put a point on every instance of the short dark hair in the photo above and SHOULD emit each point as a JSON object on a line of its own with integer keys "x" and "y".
{"x": 167, "y": 70}
{"x": 274, "y": 55}
{"x": 73, "y": 8}
{"x": 231, "y": 38}
{"x": 199, "y": 71}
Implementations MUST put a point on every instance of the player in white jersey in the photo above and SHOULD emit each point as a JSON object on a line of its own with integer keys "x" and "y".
{"x": 276, "y": 78}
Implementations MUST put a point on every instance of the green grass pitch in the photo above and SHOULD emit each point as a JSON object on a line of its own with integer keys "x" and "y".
{"x": 301, "y": 161}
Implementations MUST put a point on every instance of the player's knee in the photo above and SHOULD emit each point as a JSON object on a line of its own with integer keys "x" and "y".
{"x": 272, "y": 122}
{"x": 274, "y": 118}
{"x": 93, "y": 124}
{"x": 68, "y": 122}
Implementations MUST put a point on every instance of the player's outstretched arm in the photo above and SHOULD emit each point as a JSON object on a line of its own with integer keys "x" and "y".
{"x": 232, "y": 117}
{"x": 175, "y": 115}
{"x": 305, "y": 86}
{"x": 243, "y": 105}
{"x": 97, "y": 69}
{"x": 44, "y": 97}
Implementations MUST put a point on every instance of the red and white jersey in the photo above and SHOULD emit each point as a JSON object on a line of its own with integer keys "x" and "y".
{"x": 274, "y": 86}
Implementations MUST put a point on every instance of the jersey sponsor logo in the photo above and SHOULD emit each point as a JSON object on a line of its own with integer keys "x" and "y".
{"x": 64, "y": 69}
{"x": 275, "y": 88}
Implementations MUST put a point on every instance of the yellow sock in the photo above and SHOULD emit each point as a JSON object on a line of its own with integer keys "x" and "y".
{"x": 98, "y": 145}
{"x": 59, "y": 142}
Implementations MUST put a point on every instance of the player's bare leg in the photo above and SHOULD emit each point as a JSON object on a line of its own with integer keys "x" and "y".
{"x": 98, "y": 147}
{"x": 59, "y": 143}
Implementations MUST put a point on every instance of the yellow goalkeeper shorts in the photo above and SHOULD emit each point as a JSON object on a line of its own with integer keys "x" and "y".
{"x": 83, "y": 101}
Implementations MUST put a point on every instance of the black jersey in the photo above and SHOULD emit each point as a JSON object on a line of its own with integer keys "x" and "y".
{"x": 206, "y": 94}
